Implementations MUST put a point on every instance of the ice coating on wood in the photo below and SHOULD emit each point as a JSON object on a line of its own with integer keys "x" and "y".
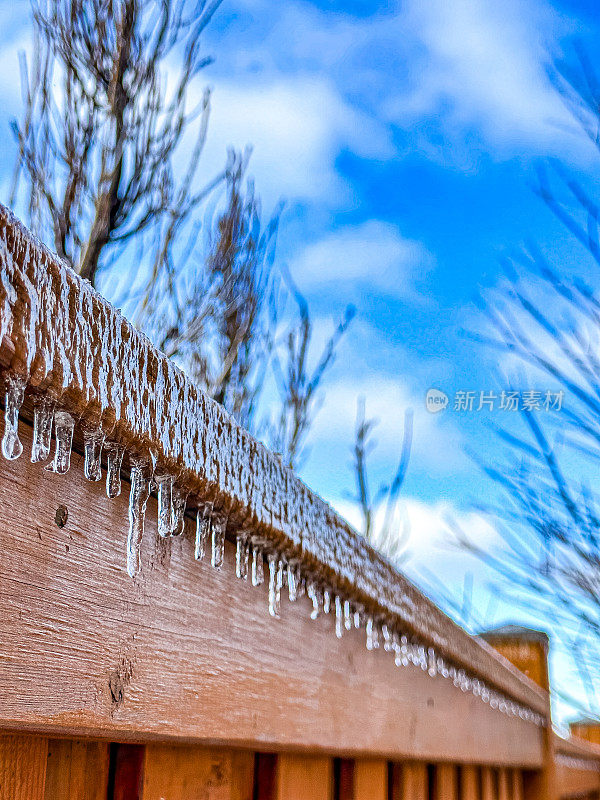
{"x": 69, "y": 343}
{"x": 138, "y": 497}
{"x": 43, "y": 415}
{"x": 114, "y": 460}
{"x": 92, "y": 447}
{"x": 13, "y": 400}
{"x": 64, "y": 425}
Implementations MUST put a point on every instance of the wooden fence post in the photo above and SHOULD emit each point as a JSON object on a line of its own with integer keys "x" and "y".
{"x": 528, "y": 650}
{"x": 469, "y": 783}
{"x": 304, "y": 778}
{"x": 370, "y": 779}
{"x": 23, "y": 767}
{"x": 446, "y": 782}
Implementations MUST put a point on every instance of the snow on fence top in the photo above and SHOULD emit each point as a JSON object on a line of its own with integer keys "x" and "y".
{"x": 78, "y": 357}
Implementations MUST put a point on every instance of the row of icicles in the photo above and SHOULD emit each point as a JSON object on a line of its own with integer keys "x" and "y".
{"x": 211, "y": 528}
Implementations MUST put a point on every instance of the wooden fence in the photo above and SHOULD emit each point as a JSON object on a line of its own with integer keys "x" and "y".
{"x": 143, "y": 655}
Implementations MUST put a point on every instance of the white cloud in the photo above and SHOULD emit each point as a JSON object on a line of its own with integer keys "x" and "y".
{"x": 437, "y": 444}
{"x": 481, "y": 65}
{"x": 373, "y": 254}
{"x": 297, "y": 127}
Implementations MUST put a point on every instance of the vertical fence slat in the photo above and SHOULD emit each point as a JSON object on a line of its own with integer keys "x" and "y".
{"x": 23, "y": 767}
{"x": 445, "y": 782}
{"x": 469, "y": 784}
{"x": 414, "y": 782}
{"x": 487, "y": 784}
{"x": 76, "y": 770}
{"x": 370, "y": 779}
{"x": 175, "y": 772}
{"x": 517, "y": 784}
{"x": 304, "y": 778}
{"x": 503, "y": 785}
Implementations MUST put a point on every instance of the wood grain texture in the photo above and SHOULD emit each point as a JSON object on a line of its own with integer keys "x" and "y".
{"x": 304, "y": 778}
{"x": 22, "y": 767}
{"x": 126, "y": 782}
{"x": 415, "y": 783}
{"x": 469, "y": 782}
{"x": 488, "y": 788}
{"x": 446, "y": 787}
{"x": 76, "y": 770}
{"x": 516, "y": 777}
{"x": 177, "y": 772}
{"x": 370, "y": 779}
{"x": 67, "y": 341}
{"x": 188, "y": 652}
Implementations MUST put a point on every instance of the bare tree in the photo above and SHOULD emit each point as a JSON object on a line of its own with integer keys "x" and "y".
{"x": 548, "y": 322}
{"x": 388, "y": 537}
{"x": 109, "y": 150}
{"x": 101, "y": 128}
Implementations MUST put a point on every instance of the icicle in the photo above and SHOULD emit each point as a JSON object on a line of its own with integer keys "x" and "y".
{"x": 326, "y": 601}
{"x": 258, "y": 571}
{"x": 387, "y": 639}
{"x": 178, "y": 521}
{"x": 339, "y": 617}
{"x": 138, "y": 497}
{"x": 219, "y": 525}
{"x": 292, "y": 581}
{"x": 347, "y": 615}
{"x": 313, "y": 595}
{"x": 92, "y": 447}
{"x": 370, "y": 626}
{"x": 432, "y": 658}
{"x": 275, "y": 583}
{"x": 13, "y": 400}
{"x": 203, "y": 530}
{"x": 114, "y": 455}
{"x": 300, "y": 583}
{"x": 63, "y": 436}
{"x": 242, "y": 554}
{"x": 357, "y": 618}
{"x": 43, "y": 414}
{"x": 165, "y": 504}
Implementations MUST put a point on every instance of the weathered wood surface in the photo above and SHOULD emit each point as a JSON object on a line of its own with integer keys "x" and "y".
{"x": 69, "y": 342}
{"x": 76, "y": 769}
{"x": 23, "y": 767}
{"x": 370, "y": 779}
{"x": 188, "y": 652}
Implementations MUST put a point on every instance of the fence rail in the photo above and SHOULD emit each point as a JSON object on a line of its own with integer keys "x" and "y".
{"x": 115, "y": 629}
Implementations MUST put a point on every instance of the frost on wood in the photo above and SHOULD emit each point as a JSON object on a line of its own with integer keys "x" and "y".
{"x": 83, "y": 359}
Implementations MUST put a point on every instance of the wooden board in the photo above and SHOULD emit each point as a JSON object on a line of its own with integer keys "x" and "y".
{"x": 66, "y": 340}
{"x": 188, "y": 652}
{"x": 175, "y": 772}
{"x": 304, "y": 778}
{"x": 370, "y": 779}
{"x": 22, "y": 767}
{"x": 415, "y": 783}
{"x": 76, "y": 770}
{"x": 469, "y": 782}
{"x": 446, "y": 778}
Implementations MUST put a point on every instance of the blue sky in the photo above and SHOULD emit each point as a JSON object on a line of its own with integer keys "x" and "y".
{"x": 404, "y": 138}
